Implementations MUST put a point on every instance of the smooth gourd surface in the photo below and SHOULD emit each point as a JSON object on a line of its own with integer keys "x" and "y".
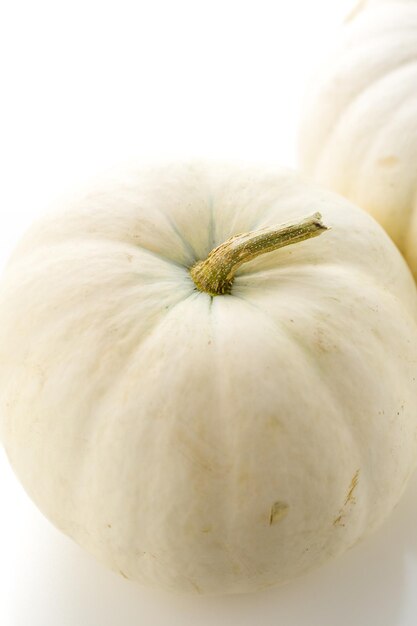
{"x": 208, "y": 444}
{"x": 358, "y": 133}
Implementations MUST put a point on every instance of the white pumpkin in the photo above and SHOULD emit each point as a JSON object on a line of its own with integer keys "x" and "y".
{"x": 206, "y": 443}
{"x": 358, "y": 133}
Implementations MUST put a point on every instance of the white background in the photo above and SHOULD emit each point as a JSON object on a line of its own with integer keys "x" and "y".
{"x": 86, "y": 85}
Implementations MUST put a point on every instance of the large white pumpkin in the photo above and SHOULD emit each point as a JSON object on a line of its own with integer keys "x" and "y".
{"x": 205, "y": 443}
{"x": 359, "y": 129}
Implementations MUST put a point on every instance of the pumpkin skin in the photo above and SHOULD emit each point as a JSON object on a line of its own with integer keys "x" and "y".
{"x": 208, "y": 444}
{"x": 358, "y": 130}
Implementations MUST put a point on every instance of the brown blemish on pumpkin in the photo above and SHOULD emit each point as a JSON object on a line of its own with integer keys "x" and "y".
{"x": 274, "y": 423}
{"x": 388, "y": 161}
{"x": 322, "y": 342}
{"x": 349, "y": 501}
{"x": 123, "y": 574}
{"x": 278, "y": 511}
{"x": 353, "y": 483}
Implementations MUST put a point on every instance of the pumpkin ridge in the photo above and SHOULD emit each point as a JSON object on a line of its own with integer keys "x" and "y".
{"x": 363, "y": 93}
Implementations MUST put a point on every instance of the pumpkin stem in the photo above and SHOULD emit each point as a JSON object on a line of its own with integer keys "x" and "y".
{"x": 216, "y": 273}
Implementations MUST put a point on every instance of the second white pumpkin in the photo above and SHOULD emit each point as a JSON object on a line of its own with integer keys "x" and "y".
{"x": 359, "y": 130}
